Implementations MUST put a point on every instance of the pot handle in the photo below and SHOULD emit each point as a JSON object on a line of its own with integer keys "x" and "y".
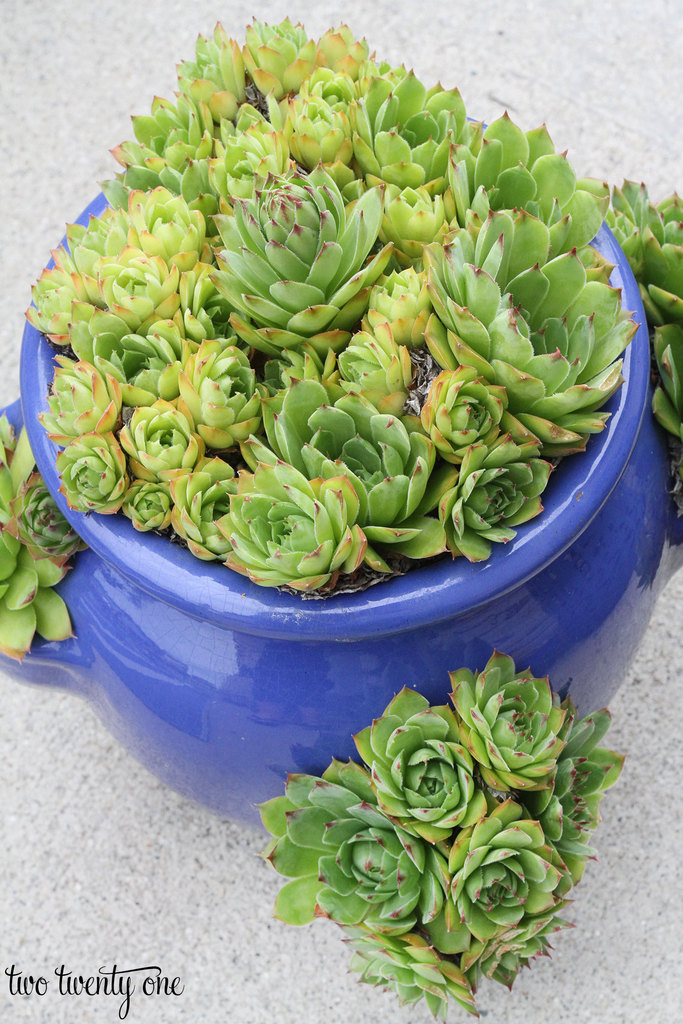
{"x": 61, "y": 663}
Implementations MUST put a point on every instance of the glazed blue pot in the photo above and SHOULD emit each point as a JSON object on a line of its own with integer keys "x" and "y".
{"x": 221, "y": 687}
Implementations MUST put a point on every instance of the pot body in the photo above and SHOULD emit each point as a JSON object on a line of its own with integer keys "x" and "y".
{"x": 220, "y": 687}
{"x": 223, "y": 714}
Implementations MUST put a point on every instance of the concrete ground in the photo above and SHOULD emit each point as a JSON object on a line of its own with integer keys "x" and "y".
{"x": 100, "y": 864}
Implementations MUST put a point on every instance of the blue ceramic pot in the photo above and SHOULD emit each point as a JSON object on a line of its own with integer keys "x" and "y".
{"x": 221, "y": 687}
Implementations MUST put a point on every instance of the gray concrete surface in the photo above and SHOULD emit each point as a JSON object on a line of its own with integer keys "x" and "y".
{"x": 100, "y": 863}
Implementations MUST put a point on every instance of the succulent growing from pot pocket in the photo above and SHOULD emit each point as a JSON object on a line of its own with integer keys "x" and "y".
{"x": 294, "y": 264}
{"x": 288, "y": 531}
{"x": 409, "y": 966}
{"x": 509, "y": 723}
{"x": 347, "y": 859}
{"x": 35, "y": 541}
{"x": 421, "y": 773}
{"x": 568, "y": 808}
{"x": 497, "y": 489}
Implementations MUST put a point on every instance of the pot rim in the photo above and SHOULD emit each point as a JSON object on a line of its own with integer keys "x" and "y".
{"x": 430, "y": 594}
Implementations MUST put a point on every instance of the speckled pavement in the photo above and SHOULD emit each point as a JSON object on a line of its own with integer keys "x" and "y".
{"x": 101, "y": 864}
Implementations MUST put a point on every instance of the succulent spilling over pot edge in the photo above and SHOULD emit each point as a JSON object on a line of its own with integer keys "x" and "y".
{"x": 330, "y": 328}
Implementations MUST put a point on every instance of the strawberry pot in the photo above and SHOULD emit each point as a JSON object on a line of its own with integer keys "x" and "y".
{"x": 220, "y": 687}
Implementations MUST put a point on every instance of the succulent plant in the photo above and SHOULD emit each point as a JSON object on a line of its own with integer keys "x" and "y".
{"x": 245, "y": 160}
{"x": 374, "y": 365}
{"x": 409, "y": 966}
{"x": 568, "y": 808}
{"x": 293, "y": 265}
{"x": 402, "y": 301}
{"x": 497, "y": 489}
{"x": 402, "y": 132}
{"x": 339, "y": 50}
{"x": 160, "y": 442}
{"x": 667, "y": 403}
{"x": 412, "y": 219}
{"x": 288, "y": 531}
{"x": 461, "y": 410}
{"x": 388, "y": 466}
{"x": 200, "y": 499}
{"x": 502, "y": 957}
{"x": 81, "y": 400}
{"x": 148, "y": 505}
{"x": 346, "y": 859}
{"x": 219, "y": 395}
{"x": 278, "y": 57}
{"x": 93, "y": 472}
{"x": 35, "y": 541}
{"x": 422, "y": 774}
{"x": 539, "y": 327}
{"x": 216, "y": 75}
{"x": 509, "y": 723}
{"x": 506, "y": 168}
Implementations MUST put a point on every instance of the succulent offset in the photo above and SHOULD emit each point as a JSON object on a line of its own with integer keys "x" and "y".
{"x": 449, "y": 854}
{"x": 317, "y": 265}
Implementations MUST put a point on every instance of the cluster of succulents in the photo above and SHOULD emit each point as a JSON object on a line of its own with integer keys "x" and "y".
{"x": 448, "y": 855}
{"x": 292, "y": 240}
{"x": 651, "y": 236}
{"x": 35, "y": 543}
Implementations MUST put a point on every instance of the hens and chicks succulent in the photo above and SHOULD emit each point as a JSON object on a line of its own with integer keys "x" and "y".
{"x": 449, "y": 854}
{"x": 290, "y": 238}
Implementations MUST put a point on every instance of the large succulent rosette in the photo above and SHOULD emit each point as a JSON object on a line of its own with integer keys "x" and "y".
{"x": 448, "y": 856}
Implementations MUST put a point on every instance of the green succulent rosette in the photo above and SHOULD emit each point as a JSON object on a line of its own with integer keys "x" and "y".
{"x": 505, "y": 168}
{"x": 244, "y": 160}
{"x": 510, "y": 724}
{"x": 421, "y": 773}
{"x": 37, "y": 522}
{"x": 568, "y": 809}
{"x": 667, "y": 402}
{"x": 537, "y": 326}
{"x": 462, "y": 409}
{"x": 388, "y": 466}
{"x": 502, "y": 957}
{"x": 502, "y": 874}
{"x": 318, "y": 131}
{"x": 340, "y": 51}
{"x": 346, "y": 859}
{"x": 288, "y": 531}
{"x": 81, "y": 400}
{"x": 498, "y": 489}
{"x": 219, "y": 395}
{"x": 412, "y": 219}
{"x": 34, "y": 544}
{"x": 200, "y": 499}
{"x": 402, "y": 301}
{"x": 294, "y": 266}
{"x": 93, "y": 471}
{"x": 160, "y": 442}
{"x": 216, "y": 75}
{"x": 411, "y": 968}
{"x": 303, "y": 364}
{"x": 652, "y": 239}
{"x": 402, "y": 132}
{"x": 148, "y": 505}
{"x": 278, "y": 57}
{"x": 375, "y": 366}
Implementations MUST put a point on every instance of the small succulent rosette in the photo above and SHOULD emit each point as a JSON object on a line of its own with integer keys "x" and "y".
{"x": 35, "y": 543}
{"x": 448, "y": 855}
